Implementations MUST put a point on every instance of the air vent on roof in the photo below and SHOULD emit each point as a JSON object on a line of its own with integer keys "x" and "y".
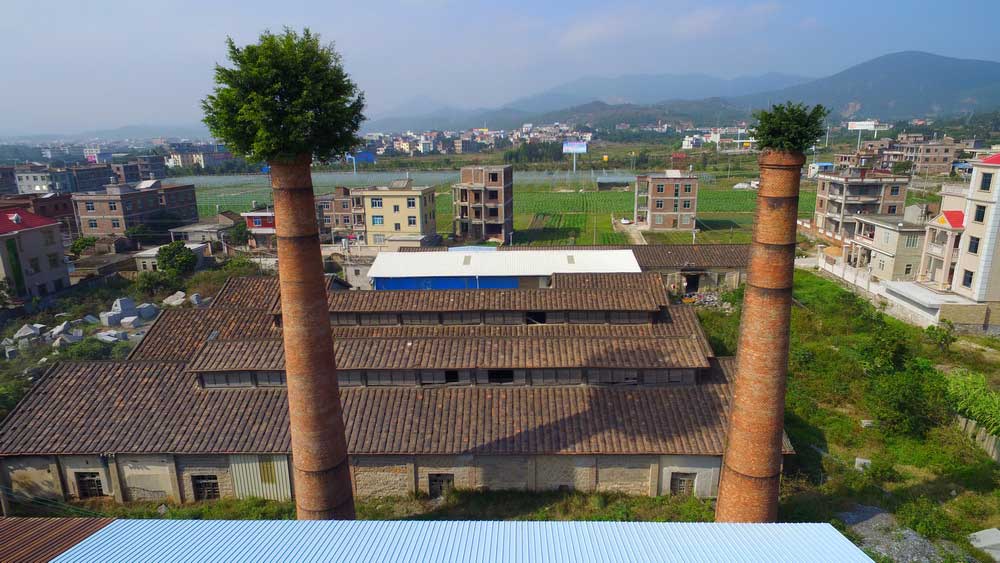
{"x": 466, "y": 260}
{"x": 15, "y": 218}
{"x": 570, "y": 259}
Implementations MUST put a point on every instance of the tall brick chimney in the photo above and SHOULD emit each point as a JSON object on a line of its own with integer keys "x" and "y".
{"x": 319, "y": 447}
{"x": 751, "y": 471}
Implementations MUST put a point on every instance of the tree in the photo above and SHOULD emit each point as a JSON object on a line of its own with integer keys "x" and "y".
{"x": 151, "y": 283}
{"x": 81, "y": 244}
{"x": 789, "y": 127}
{"x": 287, "y": 101}
{"x": 910, "y": 401}
{"x": 138, "y": 233}
{"x": 941, "y": 335}
{"x": 902, "y": 167}
{"x": 176, "y": 257}
{"x": 239, "y": 234}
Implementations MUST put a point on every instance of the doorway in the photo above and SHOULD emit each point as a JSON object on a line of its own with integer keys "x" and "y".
{"x": 439, "y": 484}
{"x": 691, "y": 283}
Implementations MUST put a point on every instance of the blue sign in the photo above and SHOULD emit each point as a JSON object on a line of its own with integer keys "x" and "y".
{"x": 266, "y": 169}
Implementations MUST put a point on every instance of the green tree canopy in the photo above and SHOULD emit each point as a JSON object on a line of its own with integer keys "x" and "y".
{"x": 286, "y": 96}
{"x": 239, "y": 234}
{"x": 902, "y": 167}
{"x": 789, "y": 127}
{"x": 82, "y": 243}
{"x": 177, "y": 258}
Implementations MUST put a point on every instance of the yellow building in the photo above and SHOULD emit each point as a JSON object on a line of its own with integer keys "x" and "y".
{"x": 398, "y": 211}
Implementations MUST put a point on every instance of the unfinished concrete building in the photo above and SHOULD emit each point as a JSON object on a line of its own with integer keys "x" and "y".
{"x": 596, "y": 383}
{"x": 483, "y": 204}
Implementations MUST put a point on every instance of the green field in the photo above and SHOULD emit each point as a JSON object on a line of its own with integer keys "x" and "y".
{"x": 560, "y": 213}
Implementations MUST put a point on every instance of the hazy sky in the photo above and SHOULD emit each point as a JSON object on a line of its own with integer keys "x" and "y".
{"x": 73, "y": 65}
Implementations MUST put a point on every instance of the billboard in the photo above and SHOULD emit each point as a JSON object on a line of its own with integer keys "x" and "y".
{"x": 574, "y": 147}
{"x": 867, "y": 126}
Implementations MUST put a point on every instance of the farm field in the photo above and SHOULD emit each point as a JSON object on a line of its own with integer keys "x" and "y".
{"x": 556, "y": 209}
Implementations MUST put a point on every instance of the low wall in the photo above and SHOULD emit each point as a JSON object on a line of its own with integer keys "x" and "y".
{"x": 988, "y": 442}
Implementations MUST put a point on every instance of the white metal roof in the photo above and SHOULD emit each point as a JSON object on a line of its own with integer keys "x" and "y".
{"x": 406, "y": 541}
{"x": 195, "y": 247}
{"x": 522, "y": 263}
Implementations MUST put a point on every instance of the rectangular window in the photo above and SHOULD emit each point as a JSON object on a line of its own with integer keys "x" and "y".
{"x": 326, "y": 220}
{"x": 910, "y": 241}
{"x": 88, "y": 484}
{"x": 257, "y": 222}
{"x": 34, "y": 266}
{"x": 894, "y": 190}
{"x": 659, "y": 188}
{"x": 376, "y": 203}
{"x": 886, "y": 236}
{"x": 92, "y": 223}
{"x": 411, "y": 202}
{"x": 967, "y": 279}
{"x": 395, "y": 209}
{"x": 113, "y": 205}
{"x": 411, "y": 221}
{"x": 908, "y": 270}
{"x": 378, "y": 220}
{"x": 396, "y": 227}
{"x": 378, "y": 239}
{"x": 682, "y": 483}
{"x": 500, "y": 376}
{"x": 973, "y": 245}
{"x": 659, "y": 219}
{"x": 986, "y": 181}
{"x": 980, "y": 214}
{"x": 115, "y": 223}
{"x": 687, "y": 204}
{"x": 659, "y": 204}
{"x": 89, "y": 205}
{"x": 206, "y": 487}
{"x": 345, "y": 204}
{"x": 892, "y": 210}
{"x": 687, "y": 188}
{"x": 128, "y": 206}
{"x": 53, "y": 261}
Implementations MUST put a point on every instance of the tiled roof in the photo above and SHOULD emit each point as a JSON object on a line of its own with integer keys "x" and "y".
{"x": 177, "y": 333}
{"x": 26, "y": 220}
{"x": 156, "y": 407}
{"x": 260, "y": 292}
{"x": 995, "y": 159}
{"x": 552, "y": 299}
{"x": 464, "y": 353}
{"x": 653, "y": 256}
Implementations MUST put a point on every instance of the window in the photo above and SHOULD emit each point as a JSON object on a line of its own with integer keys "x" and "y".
{"x": 687, "y": 188}
{"x": 973, "y": 245}
{"x": 357, "y": 272}
{"x": 892, "y": 210}
{"x": 908, "y": 270}
{"x": 411, "y": 202}
{"x": 89, "y": 205}
{"x": 687, "y": 204}
{"x": 886, "y": 236}
{"x": 500, "y": 376}
{"x": 115, "y": 223}
{"x": 440, "y": 484}
{"x": 396, "y": 227}
{"x": 451, "y": 376}
{"x": 659, "y": 204}
{"x": 345, "y": 204}
{"x": 53, "y": 261}
{"x": 980, "y": 214}
{"x": 326, "y": 220}
{"x": 378, "y": 220}
{"x": 910, "y": 241}
{"x": 92, "y": 223}
{"x": 113, "y": 205}
{"x": 257, "y": 222}
{"x": 984, "y": 183}
{"x": 659, "y": 219}
{"x": 659, "y": 188}
{"x": 682, "y": 483}
{"x": 881, "y": 264}
{"x": 88, "y": 484}
{"x": 376, "y": 203}
{"x": 395, "y": 209}
{"x": 378, "y": 239}
{"x": 50, "y": 237}
{"x": 205, "y": 487}
{"x": 894, "y": 190}
{"x": 411, "y": 221}
{"x": 967, "y": 279}
{"x": 494, "y": 176}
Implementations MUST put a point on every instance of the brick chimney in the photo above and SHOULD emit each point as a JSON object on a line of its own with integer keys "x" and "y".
{"x": 751, "y": 466}
{"x": 319, "y": 448}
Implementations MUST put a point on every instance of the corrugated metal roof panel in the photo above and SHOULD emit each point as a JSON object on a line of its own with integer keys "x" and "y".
{"x": 399, "y": 541}
{"x": 40, "y": 539}
{"x": 525, "y": 263}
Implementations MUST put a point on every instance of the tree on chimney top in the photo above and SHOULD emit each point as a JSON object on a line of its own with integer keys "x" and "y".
{"x": 789, "y": 127}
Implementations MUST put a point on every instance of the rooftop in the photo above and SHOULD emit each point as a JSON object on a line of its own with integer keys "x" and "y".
{"x": 893, "y": 222}
{"x": 651, "y": 256}
{"x": 527, "y": 263}
{"x": 151, "y": 252}
{"x": 416, "y": 541}
{"x": 13, "y": 221}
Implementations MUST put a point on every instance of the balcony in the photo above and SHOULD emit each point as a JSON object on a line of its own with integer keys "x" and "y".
{"x": 935, "y": 249}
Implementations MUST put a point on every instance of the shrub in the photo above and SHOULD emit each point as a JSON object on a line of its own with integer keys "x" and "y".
{"x": 151, "y": 283}
{"x": 81, "y": 244}
{"x": 942, "y": 336}
{"x": 970, "y": 395}
{"x": 928, "y": 519}
{"x": 789, "y": 127}
{"x": 176, "y": 257}
{"x": 910, "y": 401}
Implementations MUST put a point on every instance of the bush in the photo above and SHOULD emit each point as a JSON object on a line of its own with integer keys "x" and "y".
{"x": 942, "y": 336}
{"x": 94, "y": 349}
{"x": 81, "y": 244}
{"x": 971, "y": 396}
{"x": 910, "y": 401}
{"x": 151, "y": 283}
{"x": 176, "y": 257}
{"x": 789, "y": 127}
{"x": 928, "y": 519}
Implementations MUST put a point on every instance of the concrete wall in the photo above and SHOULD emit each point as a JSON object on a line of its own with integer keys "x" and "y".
{"x": 988, "y": 442}
{"x": 218, "y": 465}
{"x": 626, "y": 474}
{"x": 706, "y": 468}
{"x": 148, "y": 477}
{"x": 980, "y": 318}
{"x": 71, "y": 465}
{"x": 33, "y": 476}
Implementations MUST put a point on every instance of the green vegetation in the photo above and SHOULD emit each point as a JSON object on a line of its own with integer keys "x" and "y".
{"x": 849, "y": 361}
{"x": 176, "y": 257}
{"x": 902, "y": 167}
{"x": 81, "y": 244}
{"x": 286, "y": 97}
{"x": 534, "y": 152}
{"x": 971, "y": 396}
{"x": 789, "y": 127}
{"x": 239, "y": 234}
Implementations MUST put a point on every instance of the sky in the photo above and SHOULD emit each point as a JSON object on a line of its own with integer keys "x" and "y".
{"x": 78, "y": 65}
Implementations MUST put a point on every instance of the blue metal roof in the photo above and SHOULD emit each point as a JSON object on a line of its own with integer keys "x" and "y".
{"x": 406, "y": 541}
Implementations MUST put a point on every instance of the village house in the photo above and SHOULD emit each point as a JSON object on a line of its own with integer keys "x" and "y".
{"x": 31, "y": 254}
{"x": 842, "y": 197}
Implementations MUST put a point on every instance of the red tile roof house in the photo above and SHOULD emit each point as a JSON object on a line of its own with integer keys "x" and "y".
{"x": 616, "y": 391}
{"x": 31, "y": 254}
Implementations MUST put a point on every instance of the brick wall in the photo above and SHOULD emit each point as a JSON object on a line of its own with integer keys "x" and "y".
{"x": 188, "y": 466}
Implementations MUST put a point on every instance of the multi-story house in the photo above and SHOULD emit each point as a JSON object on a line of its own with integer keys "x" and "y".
{"x": 399, "y": 211}
{"x": 8, "y": 180}
{"x": 843, "y": 196}
{"x": 127, "y": 173}
{"x": 483, "y": 203}
{"x": 91, "y": 177}
{"x": 151, "y": 166}
{"x": 35, "y": 179}
{"x": 888, "y": 246}
{"x": 931, "y": 157}
{"x": 53, "y": 205}
{"x": 120, "y": 206}
{"x": 667, "y": 201}
{"x": 341, "y": 214}
{"x": 31, "y": 254}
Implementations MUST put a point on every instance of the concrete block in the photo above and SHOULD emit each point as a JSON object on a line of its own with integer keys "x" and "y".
{"x": 175, "y": 299}
{"x": 91, "y": 319}
{"x": 131, "y": 322}
{"x": 861, "y": 463}
{"x": 9, "y": 352}
{"x": 111, "y": 318}
{"x": 109, "y": 337}
{"x": 26, "y": 331}
{"x": 195, "y": 299}
{"x": 125, "y": 306}
{"x": 59, "y": 329}
{"x": 147, "y": 311}
{"x": 26, "y": 343}
{"x": 867, "y": 423}
{"x": 7, "y": 342}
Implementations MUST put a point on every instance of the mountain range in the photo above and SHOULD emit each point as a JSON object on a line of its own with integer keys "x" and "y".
{"x": 894, "y": 86}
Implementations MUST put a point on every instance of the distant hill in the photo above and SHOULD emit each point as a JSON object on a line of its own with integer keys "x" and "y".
{"x": 897, "y": 86}
{"x": 644, "y": 89}
{"x": 192, "y": 131}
